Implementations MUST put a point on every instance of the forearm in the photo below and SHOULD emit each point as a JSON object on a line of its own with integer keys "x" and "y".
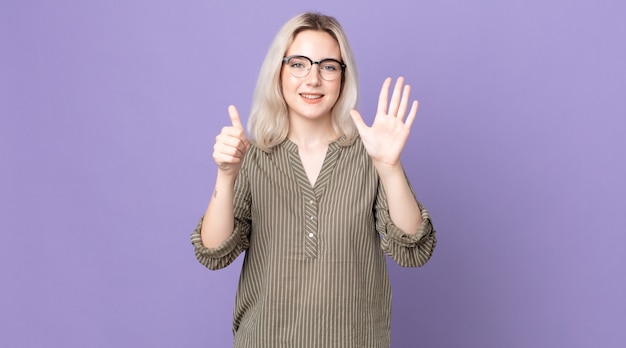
{"x": 403, "y": 208}
{"x": 218, "y": 223}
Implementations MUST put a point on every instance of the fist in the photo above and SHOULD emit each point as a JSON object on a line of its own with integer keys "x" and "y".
{"x": 231, "y": 145}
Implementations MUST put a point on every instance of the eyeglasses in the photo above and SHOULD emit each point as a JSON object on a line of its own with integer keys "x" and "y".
{"x": 300, "y": 66}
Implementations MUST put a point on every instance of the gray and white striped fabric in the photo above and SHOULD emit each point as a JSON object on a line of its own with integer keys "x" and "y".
{"x": 314, "y": 273}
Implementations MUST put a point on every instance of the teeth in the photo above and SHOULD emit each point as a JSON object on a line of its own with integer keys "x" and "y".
{"x": 311, "y": 96}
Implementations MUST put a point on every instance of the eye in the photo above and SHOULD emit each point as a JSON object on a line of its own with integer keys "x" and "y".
{"x": 329, "y": 66}
{"x": 297, "y": 63}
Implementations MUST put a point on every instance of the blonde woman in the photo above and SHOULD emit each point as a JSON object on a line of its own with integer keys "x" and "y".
{"x": 315, "y": 198}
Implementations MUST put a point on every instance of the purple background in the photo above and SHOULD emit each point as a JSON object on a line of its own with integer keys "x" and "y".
{"x": 109, "y": 111}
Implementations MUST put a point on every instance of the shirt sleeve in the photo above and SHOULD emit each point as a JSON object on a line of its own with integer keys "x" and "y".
{"x": 407, "y": 250}
{"x": 229, "y": 250}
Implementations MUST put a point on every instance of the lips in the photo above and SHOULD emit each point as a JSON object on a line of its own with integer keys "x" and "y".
{"x": 311, "y": 98}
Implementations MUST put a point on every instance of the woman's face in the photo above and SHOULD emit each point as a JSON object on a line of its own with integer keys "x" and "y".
{"x": 311, "y": 97}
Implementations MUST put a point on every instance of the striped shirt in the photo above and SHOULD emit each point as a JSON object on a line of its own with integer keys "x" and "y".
{"x": 314, "y": 272}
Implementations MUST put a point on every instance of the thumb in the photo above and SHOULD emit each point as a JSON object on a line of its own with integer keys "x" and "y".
{"x": 234, "y": 117}
{"x": 358, "y": 120}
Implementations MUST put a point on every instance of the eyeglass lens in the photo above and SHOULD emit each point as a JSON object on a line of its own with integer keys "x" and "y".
{"x": 298, "y": 66}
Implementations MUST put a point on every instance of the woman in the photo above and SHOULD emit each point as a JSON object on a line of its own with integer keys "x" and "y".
{"x": 315, "y": 199}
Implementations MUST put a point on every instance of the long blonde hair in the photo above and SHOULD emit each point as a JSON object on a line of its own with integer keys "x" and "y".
{"x": 268, "y": 124}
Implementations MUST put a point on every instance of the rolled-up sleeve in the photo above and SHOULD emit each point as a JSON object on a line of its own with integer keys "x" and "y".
{"x": 407, "y": 250}
{"x": 226, "y": 253}
{"x": 238, "y": 242}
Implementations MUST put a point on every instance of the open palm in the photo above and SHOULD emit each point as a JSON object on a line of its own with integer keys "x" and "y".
{"x": 386, "y": 138}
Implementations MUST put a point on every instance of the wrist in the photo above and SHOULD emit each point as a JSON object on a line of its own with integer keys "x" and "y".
{"x": 225, "y": 178}
{"x": 386, "y": 170}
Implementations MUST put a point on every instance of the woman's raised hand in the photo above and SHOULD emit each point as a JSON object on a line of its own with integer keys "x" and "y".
{"x": 231, "y": 145}
{"x": 386, "y": 138}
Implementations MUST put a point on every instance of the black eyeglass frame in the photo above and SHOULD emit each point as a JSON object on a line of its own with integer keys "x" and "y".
{"x": 341, "y": 64}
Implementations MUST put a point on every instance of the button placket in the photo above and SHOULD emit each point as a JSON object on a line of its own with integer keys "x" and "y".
{"x": 310, "y": 214}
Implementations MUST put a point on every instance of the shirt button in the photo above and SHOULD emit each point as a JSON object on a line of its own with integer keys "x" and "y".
{"x": 311, "y": 235}
{"x": 311, "y": 201}
{"x": 311, "y": 217}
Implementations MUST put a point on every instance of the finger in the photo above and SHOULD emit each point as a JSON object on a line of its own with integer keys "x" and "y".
{"x": 232, "y": 141}
{"x": 411, "y": 117}
{"x": 236, "y": 122}
{"x": 224, "y": 161}
{"x": 358, "y": 120}
{"x": 395, "y": 97}
{"x": 234, "y": 117}
{"x": 404, "y": 102}
{"x": 232, "y": 137}
{"x": 233, "y": 131}
{"x": 382, "y": 97}
{"x": 227, "y": 154}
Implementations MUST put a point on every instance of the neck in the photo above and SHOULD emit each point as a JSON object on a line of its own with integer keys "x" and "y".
{"x": 311, "y": 134}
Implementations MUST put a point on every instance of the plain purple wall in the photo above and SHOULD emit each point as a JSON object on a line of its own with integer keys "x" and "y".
{"x": 108, "y": 114}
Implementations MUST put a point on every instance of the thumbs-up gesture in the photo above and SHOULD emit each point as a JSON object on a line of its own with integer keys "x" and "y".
{"x": 231, "y": 145}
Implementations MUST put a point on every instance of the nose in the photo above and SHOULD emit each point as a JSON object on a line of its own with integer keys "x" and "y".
{"x": 313, "y": 77}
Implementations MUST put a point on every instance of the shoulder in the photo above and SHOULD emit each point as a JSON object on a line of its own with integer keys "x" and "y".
{"x": 355, "y": 147}
{"x": 257, "y": 155}
{"x": 252, "y": 155}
